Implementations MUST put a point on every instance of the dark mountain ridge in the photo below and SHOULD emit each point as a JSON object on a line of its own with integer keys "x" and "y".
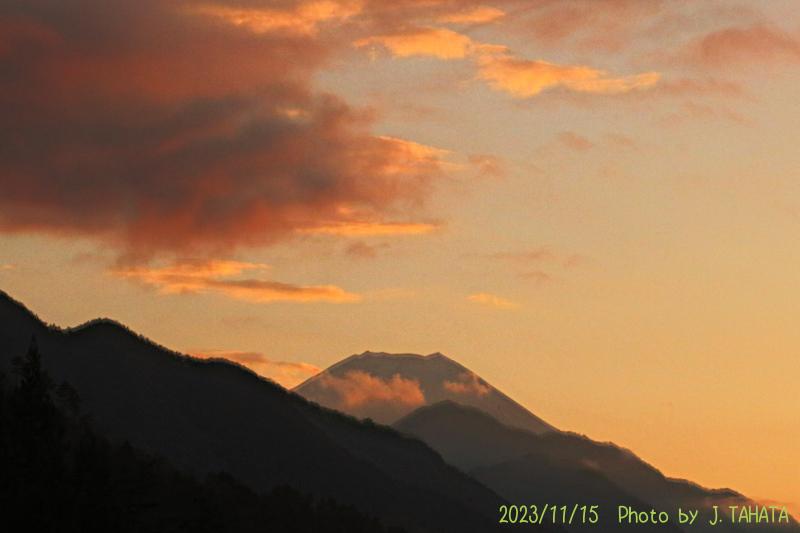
{"x": 59, "y": 474}
{"x": 206, "y": 416}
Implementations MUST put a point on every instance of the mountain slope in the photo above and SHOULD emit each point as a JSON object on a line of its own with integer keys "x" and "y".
{"x": 207, "y": 416}
{"x": 386, "y": 387}
{"x": 564, "y": 467}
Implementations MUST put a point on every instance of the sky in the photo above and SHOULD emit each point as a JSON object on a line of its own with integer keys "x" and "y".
{"x": 592, "y": 204}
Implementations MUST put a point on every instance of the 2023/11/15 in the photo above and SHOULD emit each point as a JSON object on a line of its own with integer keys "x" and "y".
{"x": 514, "y": 514}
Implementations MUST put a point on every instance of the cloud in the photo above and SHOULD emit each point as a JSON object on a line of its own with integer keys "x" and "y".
{"x": 303, "y": 19}
{"x": 158, "y": 130}
{"x": 734, "y": 46}
{"x": 524, "y": 79}
{"x": 288, "y": 375}
{"x": 621, "y": 141}
{"x": 699, "y": 87}
{"x": 609, "y": 25}
{"x": 365, "y": 229}
{"x": 488, "y": 166}
{"x": 468, "y": 384}
{"x": 208, "y": 276}
{"x": 490, "y": 300}
{"x": 541, "y": 256}
{"x": 479, "y": 15}
{"x": 8, "y": 267}
{"x": 575, "y": 141}
{"x": 499, "y": 68}
{"x": 537, "y": 265}
{"x": 358, "y": 388}
{"x": 537, "y": 276}
{"x": 424, "y": 41}
{"x": 362, "y": 250}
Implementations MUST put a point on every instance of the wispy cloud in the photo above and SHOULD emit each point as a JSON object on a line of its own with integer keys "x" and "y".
{"x": 357, "y": 388}
{"x": 539, "y": 265}
{"x": 363, "y": 250}
{"x": 366, "y": 229}
{"x": 286, "y": 374}
{"x": 539, "y": 277}
{"x": 441, "y": 43}
{"x": 468, "y": 384}
{"x": 524, "y": 79}
{"x": 575, "y": 142}
{"x": 488, "y": 166}
{"x": 479, "y": 15}
{"x": 210, "y": 276}
{"x": 499, "y": 68}
{"x": 542, "y": 255}
{"x": 490, "y": 300}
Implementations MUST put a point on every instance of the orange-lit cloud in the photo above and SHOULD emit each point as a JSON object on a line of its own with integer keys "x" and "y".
{"x": 523, "y": 79}
{"x": 357, "y": 388}
{"x": 501, "y": 70}
{"x": 158, "y": 130}
{"x": 490, "y": 300}
{"x": 8, "y": 267}
{"x": 425, "y": 41}
{"x": 191, "y": 276}
{"x": 366, "y": 229}
{"x": 208, "y": 276}
{"x": 479, "y": 15}
{"x": 288, "y": 375}
{"x": 303, "y": 19}
{"x": 468, "y": 384}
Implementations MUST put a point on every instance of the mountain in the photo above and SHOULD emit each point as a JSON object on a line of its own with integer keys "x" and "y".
{"x": 57, "y": 473}
{"x": 565, "y": 469}
{"x": 386, "y": 387}
{"x": 206, "y": 416}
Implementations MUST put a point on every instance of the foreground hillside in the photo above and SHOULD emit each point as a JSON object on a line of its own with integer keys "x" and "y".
{"x": 58, "y": 474}
{"x": 211, "y": 416}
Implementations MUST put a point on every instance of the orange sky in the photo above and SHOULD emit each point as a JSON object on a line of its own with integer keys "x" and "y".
{"x": 593, "y": 204}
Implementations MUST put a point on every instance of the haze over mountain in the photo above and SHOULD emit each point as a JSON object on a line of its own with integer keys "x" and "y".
{"x": 386, "y": 387}
{"x": 211, "y": 415}
{"x": 565, "y": 468}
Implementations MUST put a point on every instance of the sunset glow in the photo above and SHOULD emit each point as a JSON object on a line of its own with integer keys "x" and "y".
{"x": 593, "y": 205}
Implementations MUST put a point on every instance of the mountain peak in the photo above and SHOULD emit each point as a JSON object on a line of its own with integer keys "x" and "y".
{"x": 388, "y": 386}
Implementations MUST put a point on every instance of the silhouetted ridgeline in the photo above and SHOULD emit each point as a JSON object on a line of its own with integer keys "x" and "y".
{"x": 207, "y": 416}
{"x": 565, "y": 468}
{"x": 58, "y": 474}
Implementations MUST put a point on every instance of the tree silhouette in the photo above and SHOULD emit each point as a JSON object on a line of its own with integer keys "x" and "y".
{"x": 36, "y": 384}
